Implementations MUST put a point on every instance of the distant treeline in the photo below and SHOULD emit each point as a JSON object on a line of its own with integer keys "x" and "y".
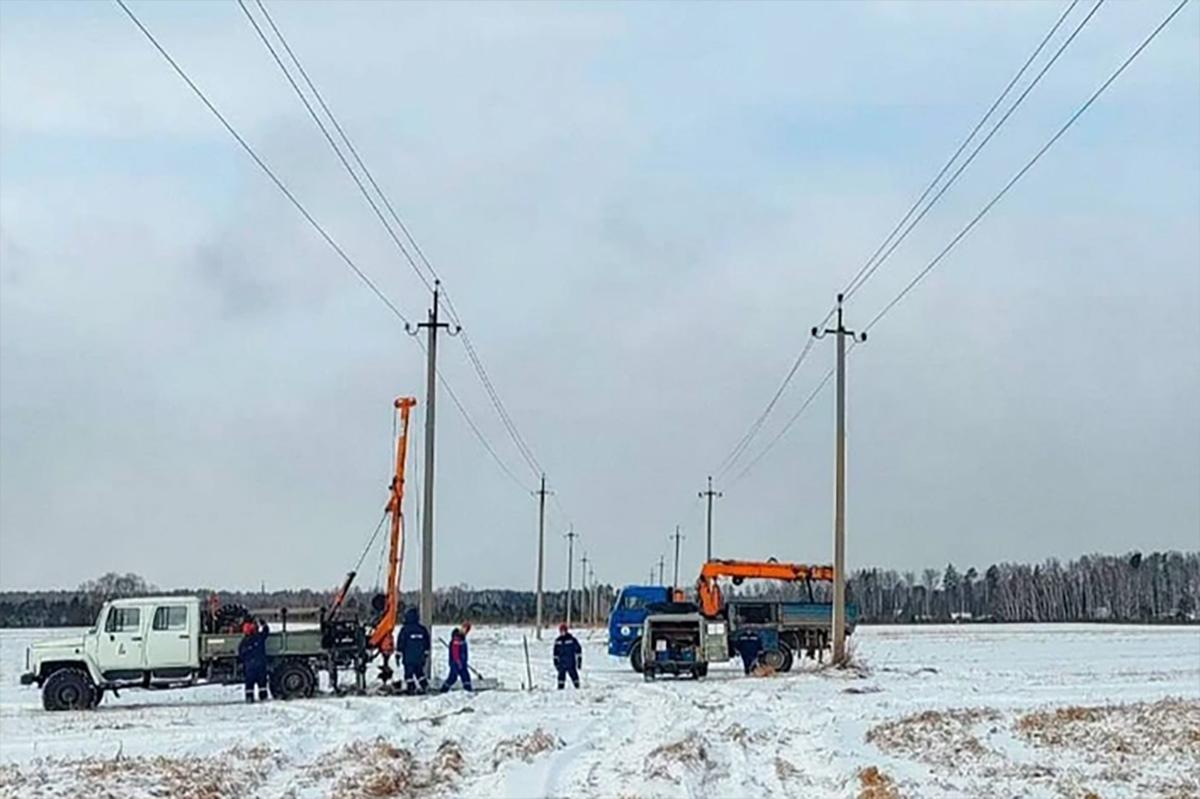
{"x": 78, "y": 608}
{"x": 1160, "y": 587}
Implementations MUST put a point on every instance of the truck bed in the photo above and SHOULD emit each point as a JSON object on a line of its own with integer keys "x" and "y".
{"x": 290, "y": 642}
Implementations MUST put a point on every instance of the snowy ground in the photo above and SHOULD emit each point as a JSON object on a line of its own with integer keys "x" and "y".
{"x": 1050, "y": 710}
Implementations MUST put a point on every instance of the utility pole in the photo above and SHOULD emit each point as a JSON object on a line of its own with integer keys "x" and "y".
{"x": 839, "y": 501}
{"x": 595, "y": 596}
{"x": 651, "y": 575}
{"x": 570, "y": 536}
{"x": 431, "y": 326}
{"x": 677, "y": 538}
{"x": 709, "y": 494}
{"x": 662, "y": 564}
{"x": 541, "y": 569}
{"x": 583, "y": 594}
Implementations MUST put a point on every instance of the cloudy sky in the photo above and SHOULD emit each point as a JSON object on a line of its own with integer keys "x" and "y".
{"x": 639, "y": 211}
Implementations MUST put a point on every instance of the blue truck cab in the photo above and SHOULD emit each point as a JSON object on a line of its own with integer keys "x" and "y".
{"x": 628, "y": 612}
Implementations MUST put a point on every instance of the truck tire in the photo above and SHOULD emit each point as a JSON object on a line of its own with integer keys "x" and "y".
{"x": 293, "y": 680}
{"x": 648, "y": 674}
{"x": 774, "y": 659}
{"x": 69, "y": 689}
{"x": 789, "y": 657}
{"x": 635, "y": 655}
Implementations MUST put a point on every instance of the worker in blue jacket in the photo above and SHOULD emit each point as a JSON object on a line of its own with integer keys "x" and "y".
{"x": 748, "y": 645}
{"x": 412, "y": 642}
{"x": 459, "y": 670}
{"x": 252, "y": 652}
{"x": 568, "y": 657}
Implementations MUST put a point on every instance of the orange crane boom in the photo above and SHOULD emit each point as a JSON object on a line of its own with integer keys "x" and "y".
{"x": 709, "y": 592}
{"x": 381, "y": 636}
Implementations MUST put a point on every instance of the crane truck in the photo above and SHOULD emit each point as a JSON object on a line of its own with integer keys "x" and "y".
{"x": 665, "y": 636}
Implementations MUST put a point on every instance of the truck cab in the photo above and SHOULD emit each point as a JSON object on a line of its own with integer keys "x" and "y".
{"x": 139, "y": 640}
{"x": 629, "y": 611}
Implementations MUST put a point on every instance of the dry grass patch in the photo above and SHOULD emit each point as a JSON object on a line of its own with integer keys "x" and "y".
{"x": 1167, "y": 728}
{"x": 938, "y": 737}
{"x": 379, "y": 769}
{"x": 233, "y": 773}
{"x": 876, "y": 785}
{"x": 690, "y": 753}
{"x": 525, "y": 747}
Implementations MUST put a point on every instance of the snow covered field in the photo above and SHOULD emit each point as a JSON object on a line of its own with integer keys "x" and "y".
{"x": 1048, "y": 710}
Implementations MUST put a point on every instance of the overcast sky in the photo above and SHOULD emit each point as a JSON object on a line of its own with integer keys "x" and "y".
{"x": 640, "y": 210}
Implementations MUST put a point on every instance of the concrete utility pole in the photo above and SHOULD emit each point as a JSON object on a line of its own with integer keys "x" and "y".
{"x": 839, "y": 501}
{"x": 709, "y": 494}
{"x": 541, "y": 570}
{"x": 583, "y": 592}
{"x": 651, "y": 575}
{"x": 570, "y": 536}
{"x": 662, "y": 564}
{"x": 595, "y": 596}
{"x": 677, "y": 537}
{"x": 431, "y": 326}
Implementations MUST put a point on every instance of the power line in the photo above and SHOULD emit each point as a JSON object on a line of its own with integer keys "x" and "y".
{"x": 970, "y": 225}
{"x": 869, "y": 269}
{"x": 263, "y": 166}
{"x": 1029, "y": 165}
{"x": 312, "y": 221}
{"x": 472, "y": 354}
{"x": 321, "y": 125}
{"x": 873, "y": 263}
{"x": 783, "y": 430}
{"x": 730, "y": 459}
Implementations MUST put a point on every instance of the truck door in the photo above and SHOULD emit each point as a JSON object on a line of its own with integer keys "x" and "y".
{"x": 169, "y": 641}
{"x": 122, "y": 647}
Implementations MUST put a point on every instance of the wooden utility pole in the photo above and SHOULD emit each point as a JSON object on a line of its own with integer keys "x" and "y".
{"x": 709, "y": 494}
{"x": 839, "y": 500}
{"x": 677, "y": 537}
{"x": 431, "y": 326}
{"x": 570, "y": 536}
{"x": 541, "y": 569}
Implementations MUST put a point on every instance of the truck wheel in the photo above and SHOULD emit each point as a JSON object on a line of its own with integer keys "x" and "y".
{"x": 788, "y": 657}
{"x": 773, "y": 658}
{"x": 293, "y": 680}
{"x": 635, "y": 655}
{"x": 69, "y": 689}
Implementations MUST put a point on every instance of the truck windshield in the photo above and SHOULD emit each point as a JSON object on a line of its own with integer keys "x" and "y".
{"x": 633, "y": 601}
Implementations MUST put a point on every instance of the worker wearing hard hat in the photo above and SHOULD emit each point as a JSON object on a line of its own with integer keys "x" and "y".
{"x": 568, "y": 657}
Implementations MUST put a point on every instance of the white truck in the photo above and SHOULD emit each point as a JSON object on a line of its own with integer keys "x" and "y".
{"x": 170, "y": 642}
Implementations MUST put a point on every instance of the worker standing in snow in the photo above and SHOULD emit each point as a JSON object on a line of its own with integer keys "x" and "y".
{"x": 568, "y": 657}
{"x": 413, "y": 644}
{"x": 459, "y": 669}
{"x": 252, "y": 652}
{"x": 748, "y": 646}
